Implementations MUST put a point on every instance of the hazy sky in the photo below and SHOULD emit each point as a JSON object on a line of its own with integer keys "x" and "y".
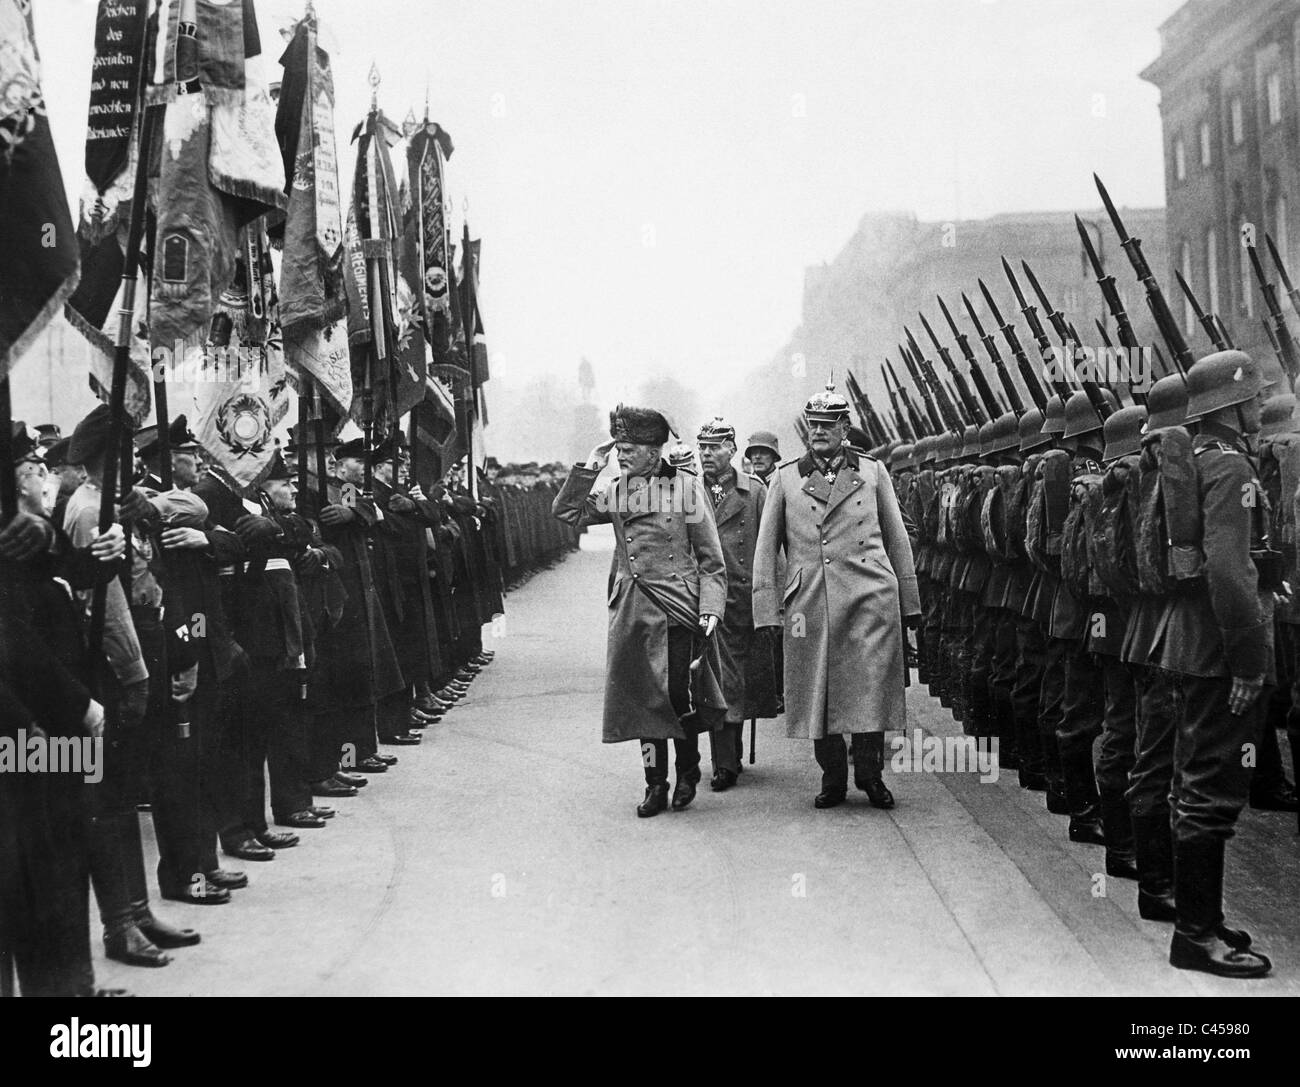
{"x": 651, "y": 177}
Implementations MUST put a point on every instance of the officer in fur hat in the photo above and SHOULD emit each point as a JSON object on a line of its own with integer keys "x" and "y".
{"x": 667, "y": 593}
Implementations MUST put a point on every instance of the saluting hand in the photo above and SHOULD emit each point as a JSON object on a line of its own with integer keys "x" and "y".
{"x": 1243, "y": 693}
{"x": 599, "y": 456}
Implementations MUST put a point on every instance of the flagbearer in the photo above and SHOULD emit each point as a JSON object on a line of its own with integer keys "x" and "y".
{"x": 667, "y": 593}
{"x": 737, "y": 499}
{"x": 848, "y": 587}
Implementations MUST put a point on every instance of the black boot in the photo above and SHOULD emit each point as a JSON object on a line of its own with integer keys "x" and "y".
{"x": 1117, "y": 828}
{"x": 1153, "y": 849}
{"x": 1200, "y": 941}
{"x": 684, "y": 793}
{"x": 833, "y": 758}
{"x": 112, "y": 858}
{"x": 656, "y": 800}
{"x": 1085, "y": 826}
{"x": 869, "y": 765}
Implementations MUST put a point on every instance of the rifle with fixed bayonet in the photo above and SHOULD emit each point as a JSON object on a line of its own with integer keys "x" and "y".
{"x": 1206, "y": 321}
{"x": 938, "y": 417}
{"x": 995, "y": 356}
{"x": 1109, "y": 290}
{"x": 1164, "y": 319}
{"x": 1285, "y": 345}
{"x": 871, "y": 422}
{"x": 1070, "y": 342}
{"x": 977, "y": 375}
{"x": 1050, "y": 376}
{"x": 972, "y": 408}
{"x": 896, "y": 393}
{"x": 951, "y": 408}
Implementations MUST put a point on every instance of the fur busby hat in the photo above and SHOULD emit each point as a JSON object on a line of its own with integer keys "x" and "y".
{"x": 641, "y": 426}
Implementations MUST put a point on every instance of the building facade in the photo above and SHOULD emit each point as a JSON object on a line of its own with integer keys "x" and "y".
{"x": 1230, "y": 109}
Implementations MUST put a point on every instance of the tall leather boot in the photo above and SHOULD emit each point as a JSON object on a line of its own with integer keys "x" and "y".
{"x": 1030, "y": 748}
{"x": 1002, "y": 725}
{"x": 868, "y": 767}
{"x": 1117, "y": 828}
{"x": 833, "y": 757}
{"x": 1153, "y": 849}
{"x": 656, "y": 778}
{"x": 158, "y": 932}
{"x": 110, "y": 873}
{"x": 1199, "y": 942}
{"x": 1080, "y": 785}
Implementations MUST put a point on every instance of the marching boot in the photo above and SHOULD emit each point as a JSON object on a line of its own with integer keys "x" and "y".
{"x": 1085, "y": 826}
{"x": 656, "y": 780}
{"x": 656, "y": 800}
{"x": 1002, "y": 726}
{"x": 1080, "y": 788}
{"x": 159, "y": 932}
{"x": 833, "y": 757}
{"x": 868, "y": 766}
{"x": 1201, "y": 941}
{"x": 110, "y": 864}
{"x": 1117, "y": 828}
{"x": 684, "y": 793}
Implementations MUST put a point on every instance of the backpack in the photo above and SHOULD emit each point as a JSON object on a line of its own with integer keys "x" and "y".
{"x": 1049, "y": 500}
{"x": 993, "y": 513}
{"x": 977, "y": 482}
{"x": 949, "y": 494}
{"x": 923, "y": 506}
{"x": 1169, "y": 513}
{"x": 1284, "y": 466}
{"x": 1076, "y": 537}
{"x": 1114, "y": 554}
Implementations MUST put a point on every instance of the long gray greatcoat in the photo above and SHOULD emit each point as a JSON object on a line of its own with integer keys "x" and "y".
{"x": 848, "y": 583}
{"x": 747, "y": 679}
{"x": 672, "y": 546}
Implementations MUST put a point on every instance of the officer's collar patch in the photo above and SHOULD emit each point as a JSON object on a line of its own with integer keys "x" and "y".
{"x": 808, "y": 464}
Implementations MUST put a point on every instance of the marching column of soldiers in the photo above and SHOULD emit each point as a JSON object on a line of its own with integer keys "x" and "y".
{"x": 261, "y": 652}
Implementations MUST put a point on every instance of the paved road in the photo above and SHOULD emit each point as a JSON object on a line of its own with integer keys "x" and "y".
{"x": 504, "y": 856}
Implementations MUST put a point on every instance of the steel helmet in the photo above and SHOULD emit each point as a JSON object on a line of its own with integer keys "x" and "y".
{"x": 902, "y": 457}
{"x": 1123, "y": 432}
{"x": 1080, "y": 416}
{"x": 1030, "y": 431}
{"x": 1054, "y": 417}
{"x": 1223, "y": 380}
{"x": 1167, "y": 403}
{"x": 1005, "y": 433}
{"x": 970, "y": 442}
{"x": 987, "y": 431}
{"x": 1277, "y": 416}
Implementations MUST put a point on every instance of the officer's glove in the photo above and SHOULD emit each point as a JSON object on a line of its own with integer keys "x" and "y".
{"x": 93, "y": 722}
{"x": 337, "y": 515}
{"x": 135, "y": 507}
{"x": 708, "y": 624}
{"x": 253, "y": 529}
{"x": 310, "y": 561}
{"x": 399, "y": 503}
{"x": 1243, "y": 693}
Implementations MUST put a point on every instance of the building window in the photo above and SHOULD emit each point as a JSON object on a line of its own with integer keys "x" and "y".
{"x": 1180, "y": 160}
{"x": 1237, "y": 120}
{"x": 1273, "y": 86}
{"x": 1185, "y": 260}
{"x": 1281, "y": 234}
{"x": 1212, "y": 268}
{"x": 1205, "y": 143}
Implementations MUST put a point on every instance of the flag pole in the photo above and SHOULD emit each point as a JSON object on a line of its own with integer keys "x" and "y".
{"x": 467, "y": 314}
{"x": 8, "y": 484}
{"x": 126, "y": 318}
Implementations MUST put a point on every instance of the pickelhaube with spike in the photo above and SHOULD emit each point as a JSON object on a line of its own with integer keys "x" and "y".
{"x": 826, "y": 406}
{"x": 716, "y": 431}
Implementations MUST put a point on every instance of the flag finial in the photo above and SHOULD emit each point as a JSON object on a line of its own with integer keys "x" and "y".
{"x": 374, "y": 79}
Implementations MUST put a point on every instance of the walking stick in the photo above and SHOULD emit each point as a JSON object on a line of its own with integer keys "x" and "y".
{"x": 753, "y": 732}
